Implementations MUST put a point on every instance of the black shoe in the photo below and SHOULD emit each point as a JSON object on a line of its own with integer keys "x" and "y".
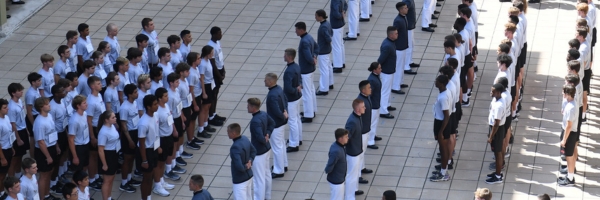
{"x": 410, "y": 72}
{"x": 349, "y": 38}
{"x": 137, "y": 174}
{"x": 359, "y": 192}
{"x": 300, "y": 143}
{"x": 179, "y": 161}
{"x": 96, "y": 185}
{"x": 476, "y": 69}
{"x": 192, "y": 145}
{"x": 414, "y": 65}
{"x": 134, "y": 182}
{"x": 358, "y": 34}
{"x": 370, "y": 15}
{"x": 210, "y": 129}
{"x": 292, "y": 149}
{"x": 337, "y": 70}
{"x": 8, "y": 17}
{"x": 363, "y": 181}
{"x": 439, "y": 167}
{"x": 434, "y": 17}
{"x": 387, "y": 116}
{"x": 203, "y": 134}
{"x": 56, "y": 189}
{"x": 127, "y": 188}
{"x": 377, "y": 138}
{"x": 432, "y": 25}
{"x": 372, "y": 2}
{"x": 465, "y": 103}
{"x": 186, "y": 155}
{"x": 428, "y": 29}
{"x": 18, "y": 2}
{"x": 584, "y": 119}
{"x": 437, "y": 12}
{"x": 364, "y": 19}
{"x": 215, "y": 122}
{"x": 398, "y": 92}
{"x": 319, "y": 93}
{"x": 306, "y": 120}
{"x": 390, "y": 108}
{"x": 564, "y": 181}
{"x": 534, "y": 1}
{"x": 512, "y": 139}
{"x": 438, "y": 5}
{"x": 372, "y": 147}
{"x": 403, "y": 86}
{"x": 494, "y": 179}
{"x": 302, "y": 114}
{"x": 366, "y": 171}
{"x": 220, "y": 118}
{"x": 274, "y": 175}
{"x": 344, "y": 65}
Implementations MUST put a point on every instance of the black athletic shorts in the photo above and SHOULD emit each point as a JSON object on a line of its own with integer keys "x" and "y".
{"x": 30, "y": 125}
{"x": 452, "y": 124}
{"x": 195, "y": 114}
{"x": 187, "y": 112}
{"x": 507, "y": 125}
{"x": 523, "y": 56}
{"x": 152, "y": 157}
{"x": 111, "y": 162}
{"x": 22, "y": 150}
{"x": 498, "y": 140}
{"x": 571, "y": 142}
{"x": 468, "y": 62}
{"x": 587, "y": 76}
{"x": 83, "y": 154}
{"x": 125, "y": 143}
{"x": 437, "y": 125}
{"x": 63, "y": 141}
{"x": 513, "y": 93}
{"x": 179, "y": 127}
{"x": 166, "y": 144}
{"x": 210, "y": 94}
{"x": 8, "y": 154}
{"x": 41, "y": 161}
{"x": 92, "y": 148}
{"x": 458, "y": 113}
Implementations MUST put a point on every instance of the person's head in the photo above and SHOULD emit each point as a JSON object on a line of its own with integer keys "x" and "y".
{"x": 234, "y": 130}
{"x": 131, "y": 91}
{"x": 341, "y": 136}
{"x": 483, "y": 194}
{"x": 389, "y": 195}
{"x": 216, "y": 33}
{"x": 270, "y": 80}
{"x": 497, "y": 90}
{"x": 572, "y": 79}
{"x": 72, "y": 76}
{"x": 150, "y": 103}
{"x": 94, "y": 83}
{"x": 72, "y": 36}
{"x": 134, "y": 55}
{"x": 112, "y": 79}
{"x": 42, "y": 104}
{"x": 253, "y": 105}
{"x": 300, "y": 28}
{"x": 459, "y": 24}
{"x": 581, "y": 22}
{"x": 568, "y": 91}
{"x": 29, "y": 166}
{"x": 97, "y": 57}
{"x": 513, "y": 19}
{"x": 58, "y": 92}
{"x": 104, "y": 47}
{"x": 521, "y": 5}
{"x": 162, "y": 95}
{"x": 458, "y": 38}
{"x": 574, "y": 44}
{"x": 63, "y": 51}
{"x": 3, "y": 106}
{"x": 183, "y": 69}
{"x": 447, "y": 71}
{"x": 121, "y": 65}
{"x": 156, "y": 74}
{"x": 582, "y": 9}
{"x": 83, "y": 29}
{"x": 193, "y": 59}
{"x": 186, "y": 36}
{"x": 144, "y": 82}
{"x": 503, "y": 48}
{"x": 289, "y": 55}
{"x": 108, "y": 118}
{"x": 441, "y": 81}
{"x": 69, "y": 191}
{"x": 465, "y": 11}
{"x": 79, "y": 103}
{"x": 509, "y": 30}
{"x": 66, "y": 83}
{"x": 196, "y": 182}
{"x": 543, "y": 197}
{"x": 173, "y": 79}
{"x": 392, "y": 33}
{"x": 581, "y": 33}
{"x": 12, "y": 185}
{"x": 365, "y": 87}
{"x": 452, "y": 62}
{"x": 112, "y": 29}
{"x": 358, "y": 106}
{"x": 468, "y": 2}
{"x": 148, "y": 25}
{"x": 375, "y": 68}
{"x": 81, "y": 178}
{"x": 320, "y": 15}
{"x": 502, "y": 80}
{"x": 572, "y": 54}
{"x": 174, "y": 42}
{"x": 574, "y": 66}
{"x": 141, "y": 40}
{"x": 449, "y": 47}
{"x": 504, "y": 61}
{"x": 207, "y": 52}
{"x": 402, "y": 8}
{"x": 514, "y": 11}
{"x": 47, "y": 60}
{"x": 15, "y": 90}
{"x": 89, "y": 66}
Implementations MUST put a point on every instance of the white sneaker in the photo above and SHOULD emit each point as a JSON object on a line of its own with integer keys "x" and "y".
{"x": 161, "y": 191}
{"x": 167, "y": 186}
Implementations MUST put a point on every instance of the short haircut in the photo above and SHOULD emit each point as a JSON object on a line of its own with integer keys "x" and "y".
{"x": 543, "y": 197}
{"x": 582, "y": 22}
{"x": 61, "y": 50}
{"x": 321, "y": 13}
{"x": 133, "y": 53}
{"x": 88, "y": 64}
{"x": 79, "y": 175}
{"x": 502, "y": 80}
{"x": 498, "y": 87}
{"x": 172, "y": 39}
{"x": 142, "y": 79}
{"x": 111, "y": 77}
{"x": 141, "y": 38}
{"x": 182, "y": 67}
{"x": 33, "y": 77}
{"x": 27, "y": 163}
{"x": 572, "y": 79}
{"x": 271, "y": 76}
{"x": 443, "y": 79}
{"x": 78, "y": 100}
{"x": 582, "y": 31}
{"x": 14, "y": 87}
{"x": 71, "y": 76}
{"x": 521, "y": 5}
{"x": 389, "y": 195}
{"x": 291, "y": 52}
{"x": 583, "y": 7}
{"x": 449, "y": 44}
{"x": 198, "y": 180}
{"x": 92, "y": 80}
{"x": 483, "y": 193}
{"x": 506, "y": 41}
{"x": 3, "y": 102}
{"x": 373, "y": 66}
{"x": 68, "y": 189}
{"x": 569, "y": 90}
{"x": 254, "y": 102}
{"x": 214, "y": 30}
{"x": 399, "y": 5}
{"x": 574, "y": 54}
{"x": 462, "y": 5}
{"x": 504, "y": 48}
{"x": 574, "y": 43}
{"x": 146, "y": 22}
{"x": 55, "y": 89}
{"x": 81, "y": 27}
{"x": 96, "y": 55}
{"x": 340, "y": 132}
{"x": 172, "y": 77}
{"x": 391, "y": 29}
{"x": 574, "y": 65}
{"x": 110, "y": 27}
{"x": 513, "y": 19}
{"x": 149, "y": 100}
{"x": 155, "y": 72}
{"x": 184, "y": 33}
{"x": 192, "y": 57}
{"x": 120, "y": 61}
{"x": 453, "y": 62}
{"x": 10, "y": 181}
{"x": 129, "y": 89}
{"x": 160, "y": 92}
{"x": 447, "y": 71}
{"x": 300, "y": 25}
{"x": 40, "y": 102}
{"x": 46, "y": 58}
{"x": 466, "y": 11}
{"x": 362, "y": 84}
{"x": 459, "y": 24}
{"x": 356, "y": 102}
{"x": 504, "y": 59}
{"x": 510, "y": 27}
{"x": 71, "y": 33}
{"x": 235, "y": 128}
{"x": 514, "y": 11}
{"x": 450, "y": 38}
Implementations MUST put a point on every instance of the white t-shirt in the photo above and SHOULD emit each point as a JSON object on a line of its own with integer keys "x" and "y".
{"x": 19, "y": 197}
{"x": 115, "y": 48}
{"x": 83, "y": 195}
{"x": 168, "y": 69}
{"x": 507, "y": 99}
{"x": 7, "y": 136}
{"x": 165, "y": 121}
{"x": 130, "y": 113}
{"x": 475, "y": 15}
{"x": 73, "y": 58}
{"x": 175, "y": 102}
{"x": 153, "y": 46}
{"x": 44, "y": 129}
{"x": 109, "y": 138}
{"x": 112, "y": 96}
{"x": 505, "y": 74}
{"x": 140, "y": 100}
{"x": 466, "y": 36}
{"x": 78, "y": 127}
{"x": 148, "y": 128}
{"x": 83, "y": 88}
{"x": 496, "y": 112}
{"x": 58, "y": 112}
{"x": 29, "y": 188}
{"x": 451, "y": 90}
{"x": 85, "y": 48}
{"x": 17, "y": 113}
{"x": 219, "y": 58}
{"x": 154, "y": 85}
{"x": 30, "y": 97}
{"x": 100, "y": 73}
{"x": 443, "y": 102}
{"x": 206, "y": 69}
{"x": 176, "y": 58}
{"x": 184, "y": 93}
{"x": 47, "y": 81}
{"x": 68, "y": 101}
{"x": 61, "y": 68}
{"x": 471, "y": 28}
{"x": 570, "y": 113}
{"x": 134, "y": 72}
{"x": 194, "y": 81}
{"x": 95, "y": 108}
{"x": 184, "y": 50}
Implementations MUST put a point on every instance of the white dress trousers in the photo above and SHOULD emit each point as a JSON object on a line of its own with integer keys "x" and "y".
{"x": 409, "y": 51}
{"x": 295, "y": 123}
{"x": 352, "y": 174}
{"x": 337, "y": 48}
{"x": 374, "y": 122}
{"x": 309, "y": 99}
{"x": 365, "y": 8}
{"x": 353, "y": 7}
{"x": 277, "y": 139}
{"x": 261, "y": 168}
{"x": 337, "y": 191}
{"x": 399, "y": 75}
{"x": 326, "y": 70}
{"x": 243, "y": 191}
{"x": 365, "y": 137}
{"x": 426, "y": 13}
{"x": 386, "y": 89}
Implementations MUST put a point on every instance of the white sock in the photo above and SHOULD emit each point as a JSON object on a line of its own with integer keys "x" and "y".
{"x": 449, "y": 162}
{"x": 570, "y": 176}
{"x": 52, "y": 183}
{"x": 205, "y": 124}
{"x": 211, "y": 117}
{"x": 200, "y": 129}
{"x": 109, "y": 198}
{"x": 173, "y": 165}
{"x": 177, "y": 154}
{"x": 465, "y": 96}
{"x": 123, "y": 182}
{"x": 443, "y": 172}
{"x": 498, "y": 176}
{"x": 468, "y": 91}
{"x": 97, "y": 176}
{"x": 584, "y": 114}
{"x": 514, "y": 113}
{"x": 168, "y": 168}
{"x": 129, "y": 177}
{"x": 180, "y": 149}
{"x": 92, "y": 180}
{"x": 149, "y": 197}
{"x": 157, "y": 185}
{"x": 162, "y": 180}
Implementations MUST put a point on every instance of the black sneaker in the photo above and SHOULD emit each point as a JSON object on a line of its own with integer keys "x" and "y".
{"x": 204, "y": 134}
{"x": 564, "y": 181}
{"x": 186, "y": 155}
{"x": 178, "y": 170}
{"x": 171, "y": 175}
{"x": 494, "y": 179}
{"x": 465, "y": 103}
{"x": 216, "y": 122}
{"x": 127, "y": 188}
{"x": 198, "y": 141}
{"x": 220, "y": 118}
{"x": 134, "y": 182}
{"x": 439, "y": 177}
{"x": 96, "y": 185}
{"x": 565, "y": 170}
{"x": 56, "y": 189}
{"x": 137, "y": 174}
{"x": 192, "y": 145}
{"x": 99, "y": 179}
{"x": 439, "y": 167}
{"x": 210, "y": 129}
{"x": 180, "y": 162}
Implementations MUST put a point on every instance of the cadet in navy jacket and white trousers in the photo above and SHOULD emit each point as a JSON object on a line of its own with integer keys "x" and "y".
{"x": 292, "y": 84}
{"x": 337, "y": 11}
{"x": 324, "y": 43}
{"x": 242, "y": 154}
{"x": 277, "y": 110}
{"x": 307, "y": 58}
{"x": 387, "y": 60}
{"x": 261, "y": 127}
{"x": 354, "y": 149}
{"x": 336, "y": 165}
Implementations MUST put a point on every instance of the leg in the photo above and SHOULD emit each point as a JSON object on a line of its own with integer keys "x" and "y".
{"x": 278, "y": 147}
{"x": 308, "y": 96}
{"x": 386, "y": 87}
{"x": 365, "y": 7}
{"x": 425, "y": 15}
{"x": 146, "y": 186}
{"x": 337, "y": 48}
{"x": 324, "y": 70}
{"x": 353, "y": 18}
{"x": 409, "y": 51}
{"x": 93, "y": 166}
{"x": 374, "y": 122}
{"x": 294, "y": 123}
{"x": 44, "y": 184}
{"x": 258, "y": 180}
{"x": 351, "y": 177}
{"x": 107, "y": 186}
{"x": 399, "y": 75}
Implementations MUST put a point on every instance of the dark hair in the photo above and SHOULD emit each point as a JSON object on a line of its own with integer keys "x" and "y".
{"x": 27, "y": 163}
{"x": 391, "y": 29}
{"x": 184, "y": 32}
{"x": 129, "y": 89}
{"x": 389, "y": 195}
{"x": 235, "y": 127}
{"x": 191, "y": 58}
{"x": 574, "y": 43}
{"x": 340, "y": 132}
{"x": 71, "y": 33}
{"x": 399, "y": 5}
{"x": 111, "y": 77}
{"x": 504, "y": 59}
{"x": 543, "y": 197}
{"x": 79, "y": 175}
{"x": 55, "y": 89}
{"x": 459, "y": 24}
{"x": 96, "y": 55}
{"x": 443, "y": 79}
{"x": 569, "y": 89}
{"x": 71, "y": 76}
{"x": 447, "y": 71}
{"x": 33, "y": 77}
{"x": 92, "y": 80}
{"x": 62, "y": 49}
{"x": 81, "y": 27}
{"x": 40, "y": 102}
{"x": 141, "y": 38}
{"x": 145, "y": 22}
{"x": 68, "y": 189}
{"x": 300, "y": 25}
{"x": 4, "y": 102}
{"x": 160, "y": 92}
{"x": 118, "y": 63}
{"x": 14, "y": 87}
{"x": 172, "y": 77}
{"x": 149, "y": 100}
{"x": 172, "y": 39}
{"x": 102, "y": 46}
{"x": 466, "y": 10}
{"x": 163, "y": 52}
{"x": 88, "y": 64}
{"x": 504, "y": 48}
{"x": 198, "y": 180}
{"x": 182, "y": 67}
{"x": 513, "y": 19}
{"x": 362, "y": 84}
{"x": 10, "y": 181}
{"x": 572, "y": 79}
{"x": 103, "y": 117}
{"x": 155, "y": 72}
{"x": 449, "y": 44}
{"x": 450, "y": 38}
{"x": 133, "y": 53}
{"x": 502, "y": 80}
{"x": 206, "y": 50}
{"x": 356, "y": 102}
{"x": 574, "y": 54}
{"x": 574, "y": 65}
{"x": 373, "y": 66}
{"x": 321, "y": 13}
{"x": 582, "y": 31}
{"x": 458, "y": 37}
{"x": 498, "y": 87}
{"x": 453, "y": 62}
{"x": 214, "y": 30}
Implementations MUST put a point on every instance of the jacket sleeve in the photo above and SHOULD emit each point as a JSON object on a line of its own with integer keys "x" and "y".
{"x": 315, "y": 51}
{"x": 331, "y": 162}
{"x": 307, "y": 53}
{"x": 236, "y": 160}
{"x": 270, "y": 125}
{"x": 252, "y": 152}
{"x": 350, "y": 127}
{"x": 273, "y": 104}
{"x": 257, "y": 132}
{"x": 385, "y": 52}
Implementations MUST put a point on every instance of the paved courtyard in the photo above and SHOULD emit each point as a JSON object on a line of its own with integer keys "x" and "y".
{"x": 257, "y": 31}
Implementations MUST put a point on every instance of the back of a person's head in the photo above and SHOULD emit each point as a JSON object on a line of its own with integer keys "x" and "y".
{"x": 483, "y": 194}
{"x": 543, "y": 197}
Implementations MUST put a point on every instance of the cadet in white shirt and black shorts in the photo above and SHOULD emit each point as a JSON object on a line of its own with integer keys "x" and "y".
{"x": 108, "y": 147}
{"x": 129, "y": 118}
